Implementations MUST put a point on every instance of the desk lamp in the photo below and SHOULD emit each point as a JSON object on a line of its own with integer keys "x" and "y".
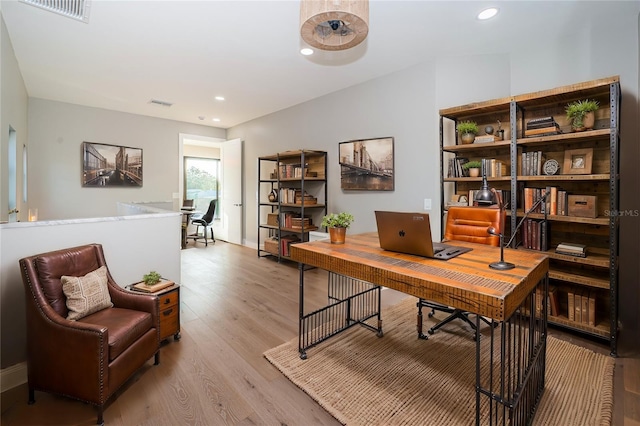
{"x": 485, "y": 197}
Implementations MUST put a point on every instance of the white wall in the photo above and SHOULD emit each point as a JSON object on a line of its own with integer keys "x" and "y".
{"x": 133, "y": 246}
{"x": 56, "y": 133}
{"x": 13, "y": 114}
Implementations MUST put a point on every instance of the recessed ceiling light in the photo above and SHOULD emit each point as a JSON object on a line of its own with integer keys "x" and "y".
{"x": 216, "y": 119}
{"x": 488, "y": 13}
{"x": 219, "y": 98}
{"x": 306, "y": 51}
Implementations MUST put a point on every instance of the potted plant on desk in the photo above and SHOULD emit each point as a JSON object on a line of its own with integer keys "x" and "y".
{"x": 337, "y": 225}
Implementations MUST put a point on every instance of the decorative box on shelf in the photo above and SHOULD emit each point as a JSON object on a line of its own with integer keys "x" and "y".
{"x": 583, "y": 206}
{"x": 272, "y": 219}
{"x": 271, "y": 246}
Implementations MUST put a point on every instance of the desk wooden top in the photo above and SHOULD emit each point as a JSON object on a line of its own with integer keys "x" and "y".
{"x": 464, "y": 282}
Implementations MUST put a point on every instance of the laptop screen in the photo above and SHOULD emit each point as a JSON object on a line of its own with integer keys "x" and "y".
{"x": 405, "y": 232}
{"x": 411, "y": 233}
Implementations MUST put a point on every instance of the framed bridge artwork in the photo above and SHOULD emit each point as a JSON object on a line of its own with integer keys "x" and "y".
{"x": 367, "y": 164}
{"x": 106, "y": 165}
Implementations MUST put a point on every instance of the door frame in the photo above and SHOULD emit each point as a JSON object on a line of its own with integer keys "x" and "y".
{"x": 185, "y": 138}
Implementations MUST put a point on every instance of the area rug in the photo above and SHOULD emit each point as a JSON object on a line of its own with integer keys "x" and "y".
{"x": 361, "y": 379}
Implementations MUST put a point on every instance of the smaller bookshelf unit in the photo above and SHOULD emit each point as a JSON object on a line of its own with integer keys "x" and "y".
{"x": 579, "y": 170}
{"x": 292, "y": 196}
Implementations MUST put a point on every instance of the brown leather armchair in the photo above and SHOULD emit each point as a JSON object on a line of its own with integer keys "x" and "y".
{"x": 465, "y": 224}
{"x": 90, "y": 358}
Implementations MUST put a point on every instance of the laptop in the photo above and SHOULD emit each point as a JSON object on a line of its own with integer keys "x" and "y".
{"x": 187, "y": 205}
{"x": 411, "y": 233}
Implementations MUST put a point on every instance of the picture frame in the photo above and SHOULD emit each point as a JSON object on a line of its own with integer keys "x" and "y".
{"x": 578, "y": 161}
{"x": 367, "y": 164}
{"x": 105, "y": 165}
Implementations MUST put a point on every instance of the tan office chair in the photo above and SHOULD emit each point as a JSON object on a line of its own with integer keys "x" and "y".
{"x": 464, "y": 224}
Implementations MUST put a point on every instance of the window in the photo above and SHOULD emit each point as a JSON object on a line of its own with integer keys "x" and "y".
{"x": 201, "y": 180}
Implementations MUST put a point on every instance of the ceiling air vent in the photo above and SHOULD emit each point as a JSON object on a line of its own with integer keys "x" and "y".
{"x": 76, "y": 9}
{"x": 161, "y": 103}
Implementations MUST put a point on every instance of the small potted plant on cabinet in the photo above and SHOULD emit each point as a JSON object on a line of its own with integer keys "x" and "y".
{"x": 473, "y": 167}
{"x": 581, "y": 114}
{"x": 151, "y": 278}
{"x": 467, "y": 131}
{"x": 337, "y": 223}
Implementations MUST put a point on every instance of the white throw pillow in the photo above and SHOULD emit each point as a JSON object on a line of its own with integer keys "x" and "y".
{"x": 86, "y": 295}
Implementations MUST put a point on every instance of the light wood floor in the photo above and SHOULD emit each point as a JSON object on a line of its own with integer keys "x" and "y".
{"x": 235, "y": 306}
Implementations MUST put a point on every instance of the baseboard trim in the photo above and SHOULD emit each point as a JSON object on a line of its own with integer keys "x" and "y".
{"x": 13, "y": 376}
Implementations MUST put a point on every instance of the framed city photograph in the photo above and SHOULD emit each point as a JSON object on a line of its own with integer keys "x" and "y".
{"x": 367, "y": 164}
{"x": 106, "y": 165}
{"x": 578, "y": 161}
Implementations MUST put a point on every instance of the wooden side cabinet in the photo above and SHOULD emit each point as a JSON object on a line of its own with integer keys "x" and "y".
{"x": 169, "y": 308}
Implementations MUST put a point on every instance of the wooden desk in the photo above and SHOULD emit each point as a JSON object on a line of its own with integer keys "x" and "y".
{"x": 186, "y": 219}
{"x": 508, "y": 391}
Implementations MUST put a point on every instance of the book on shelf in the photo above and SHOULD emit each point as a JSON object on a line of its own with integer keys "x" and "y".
{"x": 485, "y": 139}
{"x": 540, "y": 122}
{"x": 531, "y": 163}
{"x": 534, "y": 234}
{"x": 577, "y": 305}
{"x": 554, "y": 305}
{"x": 552, "y": 301}
{"x": 591, "y": 312}
{"x": 460, "y": 172}
{"x": 543, "y": 131}
{"x": 571, "y": 312}
{"x": 572, "y": 249}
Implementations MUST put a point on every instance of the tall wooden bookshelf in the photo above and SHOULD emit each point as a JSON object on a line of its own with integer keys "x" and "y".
{"x": 591, "y": 281}
{"x": 299, "y": 181}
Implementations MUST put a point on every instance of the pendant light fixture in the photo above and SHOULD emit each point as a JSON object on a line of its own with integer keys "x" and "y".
{"x": 334, "y": 24}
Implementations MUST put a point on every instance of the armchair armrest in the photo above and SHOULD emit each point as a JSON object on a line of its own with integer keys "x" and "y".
{"x": 122, "y": 298}
{"x": 63, "y": 353}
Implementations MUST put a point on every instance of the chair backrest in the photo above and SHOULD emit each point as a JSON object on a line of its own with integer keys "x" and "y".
{"x": 42, "y": 273}
{"x": 471, "y": 224}
{"x": 208, "y": 216}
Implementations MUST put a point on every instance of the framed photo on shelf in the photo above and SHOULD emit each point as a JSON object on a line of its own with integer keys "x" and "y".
{"x": 578, "y": 161}
{"x": 367, "y": 164}
{"x": 106, "y": 165}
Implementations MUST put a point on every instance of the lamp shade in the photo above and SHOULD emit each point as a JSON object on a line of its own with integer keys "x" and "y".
{"x": 334, "y": 24}
{"x": 484, "y": 196}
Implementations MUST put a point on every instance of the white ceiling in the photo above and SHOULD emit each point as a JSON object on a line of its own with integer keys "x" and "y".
{"x": 188, "y": 52}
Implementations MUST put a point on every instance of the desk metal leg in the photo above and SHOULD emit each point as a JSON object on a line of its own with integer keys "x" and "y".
{"x": 350, "y": 302}
{"x": 510, "y": 364}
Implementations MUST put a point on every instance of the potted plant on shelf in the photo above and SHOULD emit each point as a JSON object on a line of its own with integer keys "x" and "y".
{"x": 337, "y": 223}
{"x": 473, "y": 167}
{"x": 467, "y": 131}
{"x": 581, "y": 114}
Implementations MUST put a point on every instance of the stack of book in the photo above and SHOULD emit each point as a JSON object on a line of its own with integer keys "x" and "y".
{"x": 300, "y": 222}
{"x": 534, "y": 234}
{"x": 552, "y": 301}
{"x": 308, "y": 199}
{"x": 572, "y": 249}
{"x": 531, "y": 163}
{"x": 542, "y": 127}
{"x": 581, "y": 305}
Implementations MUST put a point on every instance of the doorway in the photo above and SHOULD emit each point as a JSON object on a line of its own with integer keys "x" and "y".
{"x": 229, "y": 213}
